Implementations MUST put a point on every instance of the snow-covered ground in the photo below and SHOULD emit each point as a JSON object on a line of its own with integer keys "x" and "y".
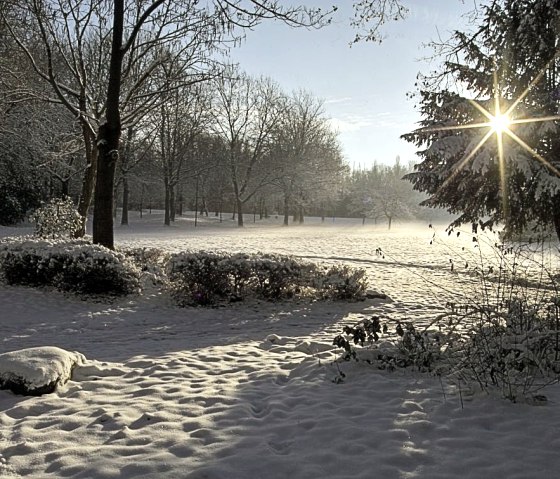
{"x": 246, "y": 391}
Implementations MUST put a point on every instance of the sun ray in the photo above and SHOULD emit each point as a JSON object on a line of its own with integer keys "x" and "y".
{"x": 532, "y": 84}
{"x": 466, "y": 159}
{"x": 534, "y": 153}
{"x": 482, "y": 110}
{"x": 503, "y": 170}
{"x": 455, "y": 127}
{"x": 520, "y": 121}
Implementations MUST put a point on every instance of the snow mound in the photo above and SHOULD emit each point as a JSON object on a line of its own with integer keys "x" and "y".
{"x": 37, "y": 371}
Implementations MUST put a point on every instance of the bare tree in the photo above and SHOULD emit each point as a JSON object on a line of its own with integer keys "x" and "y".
{"x": 246, "y": 111}
{"x": 298, "y": 138}
{"x": 90, "y": 53}
{"x": 100, "y": 58}
{"x": 371, "y": 15}
{"x": 181, "y": 119}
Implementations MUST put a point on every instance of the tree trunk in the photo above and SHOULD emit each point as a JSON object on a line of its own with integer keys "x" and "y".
{"x": 125, "y": 193}
{"x": 142, "y": 200}
{"x": 103, "y": 200}
{"x": 172, "y": 203}
{"x": 108, "y": 138}
{"x": 88, "y": 183}
{"x": 286, "y": 210}
{"x": 239, "y": 212}
{"x": 167, "y": 207}
{"x": 390, "y": 218}
{"x": 115, "y": 198}
{"x": 300, "y": 215}
{"x": 65, "y": 188}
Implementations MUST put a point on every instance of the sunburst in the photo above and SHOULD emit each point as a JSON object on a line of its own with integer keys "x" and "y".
{"x": 499, "y": 123}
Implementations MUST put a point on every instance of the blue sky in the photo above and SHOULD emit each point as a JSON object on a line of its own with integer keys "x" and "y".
{"x": 364, "y": 87}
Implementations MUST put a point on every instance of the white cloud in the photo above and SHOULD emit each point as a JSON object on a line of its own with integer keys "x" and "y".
{"x": 349, "y": 124}
{"x": 352, "y": 123}
{"x": 344, "y": 99}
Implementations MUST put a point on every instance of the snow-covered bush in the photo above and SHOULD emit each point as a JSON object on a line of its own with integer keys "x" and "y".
{"x": 199, "y": 278}
{"x": 149, "y": 260}
{"x": 513, "y": 349}
{"x": 341, "y": 282}
{"x": 68, "y": 265}
{"x": 239, "y": 270}
{"x": 504, "y": 337}
{"x": 277, "y": 277}
{"x": 205, "y": 278}
{"x": 58, "y": 218}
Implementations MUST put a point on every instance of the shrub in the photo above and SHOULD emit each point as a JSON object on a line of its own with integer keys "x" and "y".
{"x": 94, "y": 269}
{"x": 57, "y": 218}
{"x": 151, "y": 262}
{"x": 239, "y": 270}
{"x": 203, "y": 278}
{"x": 342, "y": 282}
{"x": 513, "y": 348}
{"x": 503, "y": 338}
{"x": 277, "y": 277}
{"x": 199, "y": 278}
{"x": 26, "y": 268}
{"x": 68, "y": 265}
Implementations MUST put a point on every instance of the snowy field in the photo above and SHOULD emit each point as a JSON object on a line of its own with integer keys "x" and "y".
{"x": 246, "y": 391}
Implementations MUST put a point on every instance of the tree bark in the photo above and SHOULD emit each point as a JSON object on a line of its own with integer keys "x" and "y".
{"x": 172, "y": 203}
{"x": 125, "y": 193}
{"x": 108, "y": 139}
{"x": 286, "y": 210}
{"x": 239, "y": 212}
{"x": 65, "y": 188}
{"x": 103, "y": 206}
{"x": 167, "y": 207}
{"x": 88, "y": 182}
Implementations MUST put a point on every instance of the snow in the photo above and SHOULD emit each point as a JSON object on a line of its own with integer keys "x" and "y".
{"x": 248, "y": 390}
{"x": 37, "y": 370}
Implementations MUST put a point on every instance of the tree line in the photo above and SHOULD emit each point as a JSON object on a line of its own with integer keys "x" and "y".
{"x": 121, "y": 96}
{"x": 101, "y": 92}
{"x": 136, "y": 101}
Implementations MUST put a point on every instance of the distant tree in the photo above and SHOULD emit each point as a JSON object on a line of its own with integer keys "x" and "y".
{"x": 326, "y": 168}
{"x": 488, "y": 177}
{"x": 100, "y": 57}
{"x": 297, "y": 139}
{"x": 181, "y": 119}
{"x": 207, "y": 178}
{"x": 381, "y": 192}
{"x": 246, "y": 111}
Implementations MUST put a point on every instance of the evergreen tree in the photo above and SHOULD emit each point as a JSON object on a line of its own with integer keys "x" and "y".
{"x": 485, "y": 176}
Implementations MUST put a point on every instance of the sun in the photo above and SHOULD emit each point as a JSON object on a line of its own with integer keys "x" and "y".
{"x": 500, "y": 123}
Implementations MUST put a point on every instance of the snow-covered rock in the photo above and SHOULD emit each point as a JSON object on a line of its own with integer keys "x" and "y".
{"x": 37, "y": 371}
